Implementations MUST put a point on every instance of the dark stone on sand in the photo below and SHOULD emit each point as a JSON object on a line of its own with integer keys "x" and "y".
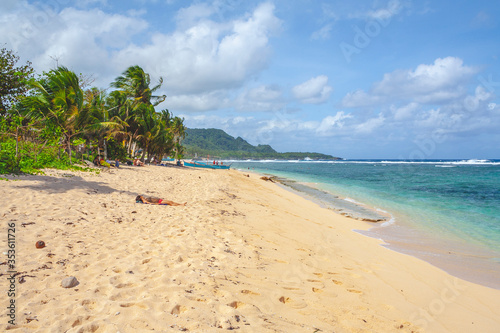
{"x": 69, "y": 282}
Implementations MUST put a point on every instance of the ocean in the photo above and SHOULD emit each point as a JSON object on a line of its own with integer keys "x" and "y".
{"x": 446, "y": 212}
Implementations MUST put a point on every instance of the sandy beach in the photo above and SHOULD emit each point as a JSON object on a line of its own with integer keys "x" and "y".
{"x": 244, "y": 255}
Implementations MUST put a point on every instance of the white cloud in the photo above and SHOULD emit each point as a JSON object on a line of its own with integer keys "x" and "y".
{"x": 330, "y": 124}
{"x": 261, "y": 98}
{"x": 208, "y": 56}
{"x": 82, "y": 40}
{"x": 383, "y": 13}
{"x": 370, "y": 125}
{"x": 473, "y": 103}
{"x": 192, "y": 15}
{"x": 201, "y": 56}
{"x": 405, "y": 112}
{"x": 442, "y": 81}
{"x": 393, "y": 8}
{"x": 360, "y": 98}
{"x": 314, "y": 91}
{"x": 323, "y": 33}
{"x": 198, "y": 102}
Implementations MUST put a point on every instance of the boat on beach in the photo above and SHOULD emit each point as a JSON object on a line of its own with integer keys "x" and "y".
{"x": 206, "y": 165}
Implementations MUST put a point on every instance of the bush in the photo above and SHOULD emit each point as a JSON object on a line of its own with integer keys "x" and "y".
{"x": 32, "y": 158}
{"x": 116, "y": 151}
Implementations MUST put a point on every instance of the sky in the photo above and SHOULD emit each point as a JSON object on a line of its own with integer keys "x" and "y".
{"x": 386, "y": 79}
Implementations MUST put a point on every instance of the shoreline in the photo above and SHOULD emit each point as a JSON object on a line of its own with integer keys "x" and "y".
{"x": 459, "y": 259}
{"x": 243, "y": 255}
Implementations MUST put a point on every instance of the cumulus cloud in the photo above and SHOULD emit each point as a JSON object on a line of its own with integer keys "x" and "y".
{"x": 370, "y": 125}
{"x": 314, "y": 91}
{"x": 208, "y": 101}
{"x": 330, "y": 124}
{"x": 442, "y": 81}
{"x": 191, "y": 16}
{"x": 261, "y": 98}
{"x": 405, "y": 112}
{"x": 201, "y": 56}
{"x": 83, "y": 40}
{"x": 208, "y": 56}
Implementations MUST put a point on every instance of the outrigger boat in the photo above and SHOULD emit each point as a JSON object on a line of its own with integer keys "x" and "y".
{"x": 206, "y": 165}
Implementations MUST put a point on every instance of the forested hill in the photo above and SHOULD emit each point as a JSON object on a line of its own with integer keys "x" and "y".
{"x": 216, "y": 142}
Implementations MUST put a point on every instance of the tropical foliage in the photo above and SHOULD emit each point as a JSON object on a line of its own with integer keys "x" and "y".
{"x": 44, "y": 117}
{"x": 12, "y": 79}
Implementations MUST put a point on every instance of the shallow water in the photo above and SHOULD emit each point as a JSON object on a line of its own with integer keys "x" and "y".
{"x": 446, "y": 212}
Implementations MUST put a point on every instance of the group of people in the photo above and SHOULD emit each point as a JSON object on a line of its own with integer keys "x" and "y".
{"x": 99, "y": 161}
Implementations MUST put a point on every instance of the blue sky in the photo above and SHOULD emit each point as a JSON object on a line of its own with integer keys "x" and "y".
{"x": 359, "y": 79}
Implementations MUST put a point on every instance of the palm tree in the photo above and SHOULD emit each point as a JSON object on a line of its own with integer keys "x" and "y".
{"x": 59, "y": 99}
{"x": 179, "y": 131}
{"x": 134, "y": 82}
{"x": 103, "y": 123}
{"x": 136, "y": 106}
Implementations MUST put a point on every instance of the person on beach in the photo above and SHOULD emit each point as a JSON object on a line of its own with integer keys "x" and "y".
{"x": 138, "y": 162}
{"x": 157, "y": 201}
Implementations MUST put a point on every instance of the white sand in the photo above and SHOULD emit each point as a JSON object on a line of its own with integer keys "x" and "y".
{"x": 243, "y": 254}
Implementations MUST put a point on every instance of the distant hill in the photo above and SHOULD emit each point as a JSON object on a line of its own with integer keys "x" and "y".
{"x": 216, "y": 142}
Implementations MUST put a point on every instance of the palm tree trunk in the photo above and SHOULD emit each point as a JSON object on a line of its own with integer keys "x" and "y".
{"x": 17, "y": 142}
{"x": 105, "y": 150}
{"x": 68, "y": 138}
{"x": 143, "y": 154}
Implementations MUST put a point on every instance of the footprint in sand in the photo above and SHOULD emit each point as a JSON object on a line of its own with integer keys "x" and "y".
{"x": 129, "y": 304}
{"x": 284, "y": 299}
{"x": 291, "y": 288}
{"x": 178, "y": 309}
{"x": 318, "y": 283}
{"x": 249, "y": 292}
{"x": 88, "y": 304}
{"x": 296, "y": 304}
{"x": 236, "y": 304}
{"x": 354, "y": 291}
{"x": 337, "y": 282}
{"x": 124, "y": 285}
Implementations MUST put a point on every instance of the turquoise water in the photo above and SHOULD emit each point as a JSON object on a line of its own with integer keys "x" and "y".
{"x": 447, "y": 203}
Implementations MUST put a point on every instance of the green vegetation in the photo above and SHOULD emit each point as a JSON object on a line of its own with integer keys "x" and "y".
{"x": 52, "y": 121}
{"x": 215, "y": 142}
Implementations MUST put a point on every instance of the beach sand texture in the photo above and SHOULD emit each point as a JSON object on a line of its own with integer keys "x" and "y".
{"x": 244, "y": 254}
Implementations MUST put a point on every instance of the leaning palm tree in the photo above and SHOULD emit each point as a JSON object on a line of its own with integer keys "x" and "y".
{"x": 103, "y": 122}
{"x": 134, "y": 82}
{"x": 135, "y": 99}
{"x": 59, "y": 99}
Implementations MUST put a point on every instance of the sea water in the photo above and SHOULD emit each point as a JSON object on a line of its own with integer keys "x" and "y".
{"x": 445, "y": 212}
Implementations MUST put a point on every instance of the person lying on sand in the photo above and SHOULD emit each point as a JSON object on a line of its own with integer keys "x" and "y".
{"x": 157, "y": 201}
{"x": 138, "y": 162}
